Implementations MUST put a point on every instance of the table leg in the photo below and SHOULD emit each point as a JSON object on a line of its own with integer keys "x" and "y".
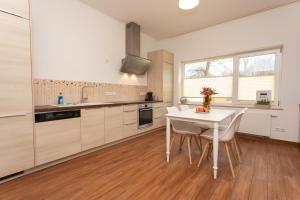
{"x": 215, "y": 149}
{"x": 168, "y": 136}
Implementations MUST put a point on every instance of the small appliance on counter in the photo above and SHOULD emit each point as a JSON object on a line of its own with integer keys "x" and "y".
{"x": 149, "y": 96}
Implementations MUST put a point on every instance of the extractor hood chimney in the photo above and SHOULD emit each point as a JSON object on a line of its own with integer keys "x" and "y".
{"x": 133, "y": 63}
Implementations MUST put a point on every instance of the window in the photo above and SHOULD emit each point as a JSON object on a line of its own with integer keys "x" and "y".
{"x": 217, "y": 74}
{"x": 236, "y": 78}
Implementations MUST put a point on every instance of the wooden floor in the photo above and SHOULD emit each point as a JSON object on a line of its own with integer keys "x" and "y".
{"x": 137, "y": 170}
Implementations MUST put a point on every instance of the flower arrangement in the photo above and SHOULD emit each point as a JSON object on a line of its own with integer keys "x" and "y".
{"x": 207, "y": 92}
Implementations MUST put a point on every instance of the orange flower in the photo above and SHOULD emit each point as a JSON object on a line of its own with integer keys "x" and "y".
{"x": 207, "y": 91}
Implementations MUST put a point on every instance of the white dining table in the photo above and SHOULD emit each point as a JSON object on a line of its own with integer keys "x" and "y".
{"x": 213, "y": 118}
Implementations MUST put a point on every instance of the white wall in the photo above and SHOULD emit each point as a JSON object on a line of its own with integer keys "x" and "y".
{"x": 280, "y": 26}
{"x": 71, "y": 41}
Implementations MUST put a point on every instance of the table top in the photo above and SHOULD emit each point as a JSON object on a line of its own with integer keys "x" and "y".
{"x": 215, "y": 115}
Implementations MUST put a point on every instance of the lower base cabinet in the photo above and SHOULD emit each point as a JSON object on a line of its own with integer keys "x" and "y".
{"x": 57, "y": 139}
{"x": 16, "y": 144}
{"x": 130, "y": 129}
{"x": 92, "y": 128}
{"x": 113, "y": 124}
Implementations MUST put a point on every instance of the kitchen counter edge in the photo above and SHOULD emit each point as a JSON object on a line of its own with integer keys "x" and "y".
{"x": 50, "y": 108}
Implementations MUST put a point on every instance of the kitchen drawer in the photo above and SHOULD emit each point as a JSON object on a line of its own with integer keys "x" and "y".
{"x": 130, "y": 117}
{"x": 157, "y": 105}
{"x": 146, "y": 129}
{"x": 130, "y": 129}
{"x": 129, "y": 108}
{"x": 57, "y": 139}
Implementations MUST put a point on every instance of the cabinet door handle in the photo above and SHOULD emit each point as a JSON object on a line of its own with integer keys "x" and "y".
{"x": 130, "y": 124}
{"x": 8, "y": 115}
{"x": 129, "y": 110}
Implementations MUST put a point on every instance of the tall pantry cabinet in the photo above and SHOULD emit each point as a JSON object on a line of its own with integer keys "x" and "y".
{"x": 160, "y": 75}
{"x": 160, "y": 82}
{"x": 16, "y": 117}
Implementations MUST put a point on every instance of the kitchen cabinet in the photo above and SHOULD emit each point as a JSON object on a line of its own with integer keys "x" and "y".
{"x": 113, "y": 123}
{"x": 15, "y": 7}
{"x": 130, "y": 121}
{"x": 160, "y": 75}
{"x": 57, "y": 139}
{"x": 16, "y": 122}
{"x": 92, "y": 128}
{"x": 159, "y": 115}
{"x": 16, "y": 144}
{"x": 15, "y": 65}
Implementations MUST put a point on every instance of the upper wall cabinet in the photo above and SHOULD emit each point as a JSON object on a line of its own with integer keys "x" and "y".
{"x": 160, "y": 75}
{"x": 15, "y": 65}
{"x": 15, "y": 7}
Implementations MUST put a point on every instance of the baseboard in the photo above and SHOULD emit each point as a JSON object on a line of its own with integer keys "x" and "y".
{"x": 265, "y": 138}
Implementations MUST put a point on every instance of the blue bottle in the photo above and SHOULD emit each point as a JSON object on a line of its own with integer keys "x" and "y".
{"x": 60, "y": 99}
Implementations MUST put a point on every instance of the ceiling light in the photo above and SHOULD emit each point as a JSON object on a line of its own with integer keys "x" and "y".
{"x": 188, "y": 4}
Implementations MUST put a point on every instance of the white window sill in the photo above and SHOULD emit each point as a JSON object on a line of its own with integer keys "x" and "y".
{"x": 251, "y": 106}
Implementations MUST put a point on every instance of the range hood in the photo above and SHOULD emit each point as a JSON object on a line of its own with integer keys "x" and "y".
{"x": 133, "y": 63}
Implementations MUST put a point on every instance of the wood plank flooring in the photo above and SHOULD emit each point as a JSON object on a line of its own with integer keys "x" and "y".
{"x": 137, "y": 169}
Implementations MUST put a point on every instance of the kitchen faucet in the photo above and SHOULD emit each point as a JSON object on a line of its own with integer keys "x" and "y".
{"x": 84, "y": 99}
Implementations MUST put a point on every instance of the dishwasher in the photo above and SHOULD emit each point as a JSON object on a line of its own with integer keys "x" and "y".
{"x": 57, "y": 135}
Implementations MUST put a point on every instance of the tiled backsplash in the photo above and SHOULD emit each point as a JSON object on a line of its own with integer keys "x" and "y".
{"x": 46, "y": 91}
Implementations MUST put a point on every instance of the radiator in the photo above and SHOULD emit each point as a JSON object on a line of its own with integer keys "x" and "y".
{"x": 256, "y": 124}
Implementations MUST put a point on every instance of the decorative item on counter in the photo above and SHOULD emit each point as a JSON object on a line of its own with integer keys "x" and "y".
{"x": 183, "y": 100}
{"x": 201, "y": 109}
{"x": 263, "y": 102}
{"x": 263, "y": 98}
{"x": 207, "y": 92}
{"x": 60, "y": 99}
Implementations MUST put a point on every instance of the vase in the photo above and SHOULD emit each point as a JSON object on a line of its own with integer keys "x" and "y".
{"x": 206, "y": 102}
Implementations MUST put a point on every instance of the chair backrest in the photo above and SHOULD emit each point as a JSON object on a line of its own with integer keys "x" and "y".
{"x": 177, "y": 126}
{"x": 184, "y": 107}
{"x": 233, "y": 126}
{"x": 172, "y": 109}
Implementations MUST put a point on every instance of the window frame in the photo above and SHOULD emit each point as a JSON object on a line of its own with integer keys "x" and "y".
{"x": 235, "y": 81}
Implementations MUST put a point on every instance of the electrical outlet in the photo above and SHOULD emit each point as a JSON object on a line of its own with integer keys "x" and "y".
{"x": 110, "y": 93}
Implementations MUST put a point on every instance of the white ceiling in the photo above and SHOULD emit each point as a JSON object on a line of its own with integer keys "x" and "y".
{"x": 162, "y": 18}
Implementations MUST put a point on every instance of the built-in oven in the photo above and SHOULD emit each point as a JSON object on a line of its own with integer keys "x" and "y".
{"x": 145, "y": 115}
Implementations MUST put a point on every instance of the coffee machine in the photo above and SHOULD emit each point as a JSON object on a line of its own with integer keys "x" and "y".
{"x": 149, "y": 96}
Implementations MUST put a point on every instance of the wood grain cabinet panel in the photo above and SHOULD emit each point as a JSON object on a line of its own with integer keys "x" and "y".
{"x": 15, "y": 7}
{"x": 15, "y": 65}
{"x": 158, "y": 122}
{"x": 130, "y": 129}
{"x": 57, "y": 139}
{"x": 158, "y": 112}
{"x": 16, "y": 144}
{"x": 160, "y": 75}
{"x": 113, "y": 123}
{"x": 168, "y": 57}
{"x": 128, "y": 108}
{"x": 130, "y": 117}
{"x": 92, "y": 128}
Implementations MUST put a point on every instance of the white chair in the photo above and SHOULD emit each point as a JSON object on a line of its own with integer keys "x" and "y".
{"x": 226, "y": 136}
{"x": 185, "y": 129}
{"x": 203, "y": 126}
